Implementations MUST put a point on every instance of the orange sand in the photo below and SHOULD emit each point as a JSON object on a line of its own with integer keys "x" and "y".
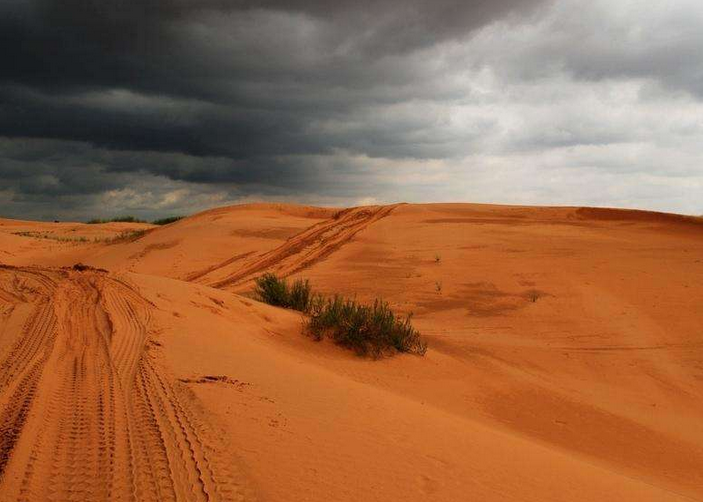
{"x": 565, "y": 360}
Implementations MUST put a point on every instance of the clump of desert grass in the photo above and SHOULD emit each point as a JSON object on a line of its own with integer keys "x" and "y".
{"x": 369, "y": 330}
{"x": 373, "y": 330}
{"x": 272, "y": 290}
{"x": 301, "y": 297}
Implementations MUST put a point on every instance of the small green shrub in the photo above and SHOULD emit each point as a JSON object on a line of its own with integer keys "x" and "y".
{"x": 533, "y": 295}
{"x": 276, "y": 291}
{"x": 373, "y": 330}
{"x": 366, "y": 329}
{"x": 300, "y": 296}
{"x": 272, "y": 290}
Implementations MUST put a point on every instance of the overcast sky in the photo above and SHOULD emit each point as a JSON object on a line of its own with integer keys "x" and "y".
{"x": 159, "y": 107}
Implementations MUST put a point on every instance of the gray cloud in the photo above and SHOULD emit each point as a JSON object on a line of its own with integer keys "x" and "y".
{"x": 345, "y": 101}
{"x": 607, "y": 40}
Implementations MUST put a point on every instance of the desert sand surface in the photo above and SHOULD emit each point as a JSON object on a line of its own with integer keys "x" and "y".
{"x": 565, "y": 357}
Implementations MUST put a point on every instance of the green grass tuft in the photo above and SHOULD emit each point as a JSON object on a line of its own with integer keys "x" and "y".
{"x": 272, "y": 290}
{"x": 300, "y": 296}
{"x": 369, "y": 330}
{"x": 373, "y": 330}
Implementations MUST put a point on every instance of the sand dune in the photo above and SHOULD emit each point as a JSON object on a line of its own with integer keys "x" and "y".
{"x": 30, "y": 242}
{"x": 565, "y": 361}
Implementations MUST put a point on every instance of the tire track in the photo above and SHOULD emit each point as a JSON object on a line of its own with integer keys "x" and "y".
{"x": 87, "y": 412}
{"x": 306, "y": 248}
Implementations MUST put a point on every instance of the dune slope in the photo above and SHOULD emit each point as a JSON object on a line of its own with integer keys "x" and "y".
{"x": 117, "y": 398}
{"x": 578, "y": 327}
{"x": 565, "y": 358}
{"x": 191, "y": 248}
{"x": 314, "y": 423}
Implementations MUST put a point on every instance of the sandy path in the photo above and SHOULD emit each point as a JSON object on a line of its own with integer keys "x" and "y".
{"x": 87, "y": 412}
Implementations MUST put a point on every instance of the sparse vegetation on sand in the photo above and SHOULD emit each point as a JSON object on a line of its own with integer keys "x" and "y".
{"x": 53, "y": 237}
{"x": 126, "y": 236}
{"x": 367, "y": 329}
{"x": 373, "y": 330}
{"x": 276, "y": 291}
{"x": 133, "y": 219}
{"x": 118, "y": 219}
{"x": 166, "y": 221}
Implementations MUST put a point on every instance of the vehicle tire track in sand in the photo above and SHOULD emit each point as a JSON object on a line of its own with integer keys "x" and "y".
{"x": 87, "y": 412}
{"x": 308, "y": 247}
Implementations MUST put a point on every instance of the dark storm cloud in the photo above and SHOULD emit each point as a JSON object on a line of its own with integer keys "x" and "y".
{"x": 77, "y": 44}
{"x": 225, "y": 98}
{"x": 246, "y": 80}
